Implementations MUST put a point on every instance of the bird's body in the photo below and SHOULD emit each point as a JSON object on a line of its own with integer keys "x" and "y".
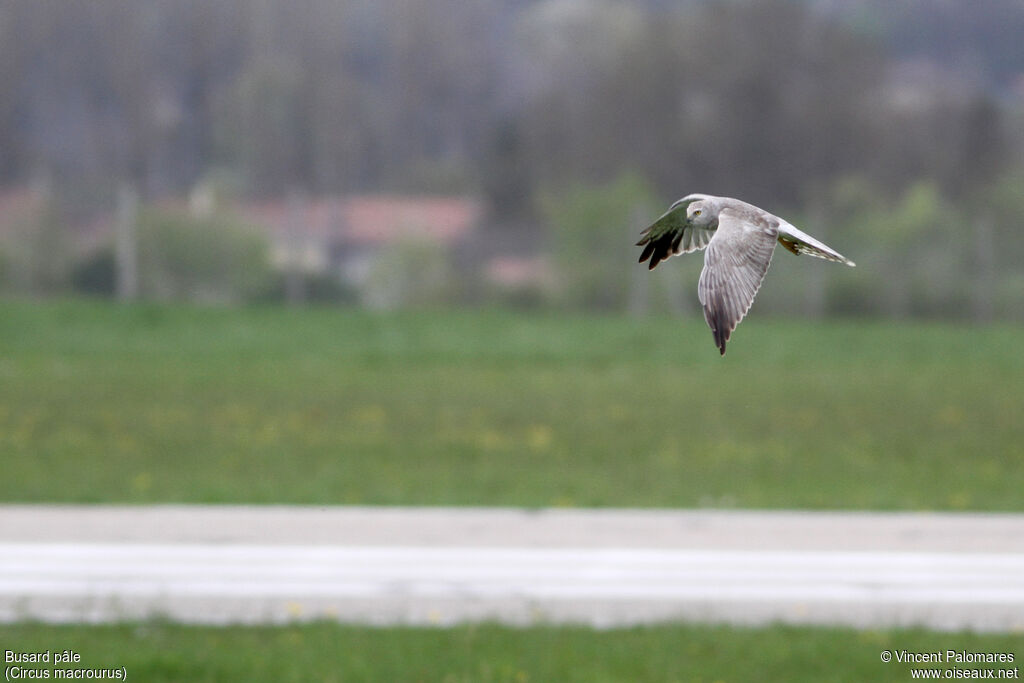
{"x": 740, "y": 239}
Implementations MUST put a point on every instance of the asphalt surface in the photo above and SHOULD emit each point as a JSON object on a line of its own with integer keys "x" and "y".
{"x": 241, "y": 564}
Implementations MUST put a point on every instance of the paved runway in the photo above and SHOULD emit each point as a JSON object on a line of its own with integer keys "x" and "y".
{"x": 438, "y": 566}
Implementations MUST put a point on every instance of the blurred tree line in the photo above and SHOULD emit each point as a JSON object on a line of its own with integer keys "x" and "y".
{"x": 863, "y": 121}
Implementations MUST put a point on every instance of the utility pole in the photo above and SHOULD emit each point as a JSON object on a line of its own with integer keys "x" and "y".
{"x": 126, "y": 227}
{"x": 294, "y": 277}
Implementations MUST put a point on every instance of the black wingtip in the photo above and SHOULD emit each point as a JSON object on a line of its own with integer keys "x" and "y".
{"x": 657, "y": 248}
{"x": 720, "y": 343}
{"x": 646, "y": 254}
{"x": 718, "y": 330}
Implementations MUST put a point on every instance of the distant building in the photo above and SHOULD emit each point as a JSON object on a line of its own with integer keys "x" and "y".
{"x": 352, "y": 241}
{"x": 344, "y": 236}
{"x": 17, "y": 205}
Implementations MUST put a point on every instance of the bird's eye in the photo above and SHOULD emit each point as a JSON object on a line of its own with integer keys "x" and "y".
{"x": 697, "y": 212}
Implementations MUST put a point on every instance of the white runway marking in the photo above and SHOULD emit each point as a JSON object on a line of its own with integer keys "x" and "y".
{"x": 105, "y": 578}
{"x": 439, "y": 566}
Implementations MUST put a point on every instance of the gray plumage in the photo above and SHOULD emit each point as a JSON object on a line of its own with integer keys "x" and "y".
{"x": 740, "y": 239}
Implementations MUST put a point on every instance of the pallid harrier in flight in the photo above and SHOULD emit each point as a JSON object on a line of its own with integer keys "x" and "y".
{"x": 740, "y": 239}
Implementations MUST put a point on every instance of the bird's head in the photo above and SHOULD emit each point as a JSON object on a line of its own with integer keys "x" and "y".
{"x": 702, "y": 213}
{"x": 669, "y": 234}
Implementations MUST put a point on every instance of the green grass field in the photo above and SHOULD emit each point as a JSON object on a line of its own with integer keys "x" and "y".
{"x": 100, "y": 403}
{"x": 156, "y": 652}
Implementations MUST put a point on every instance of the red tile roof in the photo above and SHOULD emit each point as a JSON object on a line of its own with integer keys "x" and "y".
{"x": 371, "y": 219}
{"x": 16, "y": 204}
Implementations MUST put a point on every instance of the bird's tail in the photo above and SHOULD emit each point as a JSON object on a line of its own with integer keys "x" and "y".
{"x": 800, "y": 242}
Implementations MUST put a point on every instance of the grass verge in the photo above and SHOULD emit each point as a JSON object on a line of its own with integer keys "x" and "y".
{"x": 144, "y": 404}
{"x": 156, "y": 652}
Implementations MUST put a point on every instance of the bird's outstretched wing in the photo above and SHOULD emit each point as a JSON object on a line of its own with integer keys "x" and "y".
{"x": 800, "y": 242}
{"x": 735, "y": 263}
{"x": 671, "y": 235}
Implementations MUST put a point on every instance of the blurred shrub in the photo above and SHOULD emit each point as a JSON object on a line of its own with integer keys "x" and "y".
{"x": 594, "y": 229}
{"x": 1008, "y": 296}
{"x": 208, "y": 259}
{"x": 1003, "y": 201}
{"x": 315, "y": 288}
{"x": 919, "y": 253}
{"x": 410, "y": 273}
{"x": 528, "y": 294}
{"x": 204, "y": 259}
{"x": 909, "y": 251}
{"x": 96, "y": 274}
{"x": 37, "y": 251}
{"x": 182, "y": 257}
